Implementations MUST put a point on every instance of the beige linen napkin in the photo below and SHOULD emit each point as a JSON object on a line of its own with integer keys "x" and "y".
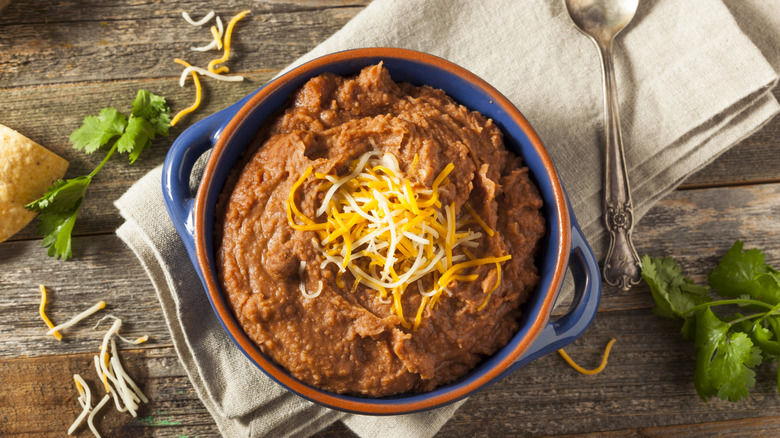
{"x": 691, "y": 84}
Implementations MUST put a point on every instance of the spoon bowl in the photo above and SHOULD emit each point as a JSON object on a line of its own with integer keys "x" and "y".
{"x": 602, "y": 20}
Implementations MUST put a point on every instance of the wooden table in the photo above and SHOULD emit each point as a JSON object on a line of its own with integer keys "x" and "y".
{"x": 61, "y": 61}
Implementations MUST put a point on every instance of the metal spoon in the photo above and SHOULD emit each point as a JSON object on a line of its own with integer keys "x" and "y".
{"x": 601, "y": 20}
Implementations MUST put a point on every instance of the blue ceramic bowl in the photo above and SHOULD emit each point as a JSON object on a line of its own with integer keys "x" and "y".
{"x": 231, "y": 130}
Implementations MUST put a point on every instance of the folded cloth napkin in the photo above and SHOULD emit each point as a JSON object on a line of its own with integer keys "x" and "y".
{"x": 689, "y": 89}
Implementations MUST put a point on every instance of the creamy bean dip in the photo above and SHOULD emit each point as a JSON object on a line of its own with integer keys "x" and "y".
{"x": 381, "y": 239}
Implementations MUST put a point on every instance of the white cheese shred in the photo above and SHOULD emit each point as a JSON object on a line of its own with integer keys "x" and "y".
{"x": 92, "y": 415}
{"x": 120, "y": 371}
{"x": 210, "y": 46}
{"x": 85, "y": 400}
{"x": 302, "y": 284}
{"x": 73, "y": 321}
{"x": 110, "y": 372}
{"x": 200, "y": 22}
{"x": 214, "y": 44}
{"x": 203, "y": 71}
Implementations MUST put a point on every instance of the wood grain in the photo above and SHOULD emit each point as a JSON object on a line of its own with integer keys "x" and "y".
{"x": 73, "y": 287}
{"x": 47, "y": 384}
{"x": 98, "y": 214}
{"x": 55, "y": 42}
{"x": 642, "y": 388}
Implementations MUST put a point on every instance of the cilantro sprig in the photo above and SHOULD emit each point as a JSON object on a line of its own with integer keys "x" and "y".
{"x": 729, "y": 346}
{"x": 60, "y": 205}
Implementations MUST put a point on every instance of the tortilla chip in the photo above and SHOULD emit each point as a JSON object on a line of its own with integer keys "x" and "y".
{"x": 26, "y": 170}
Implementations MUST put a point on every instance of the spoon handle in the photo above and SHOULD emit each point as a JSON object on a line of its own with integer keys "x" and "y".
{"x": 622, "y": 266}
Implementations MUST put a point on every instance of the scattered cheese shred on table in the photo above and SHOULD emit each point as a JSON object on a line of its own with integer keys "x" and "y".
{"x": 204, "y": 72}
{"x": 43, "y": 313}
{"x": 117, "y": 382}
{"x": 388, "y": 234}
{"x": 92, "y": 415}
{"x": 200, "y": 22}
{"x": 218, "y": 34}
{"x": 226, "y": 44}
{"x": 195, "y": 105}
{"x": 216, "y": 42}
{"x": 85, "y": 400}
{"x": 73, "y": 321}
{"x": 127, "y": 395}
{"x": 582, "y": 370}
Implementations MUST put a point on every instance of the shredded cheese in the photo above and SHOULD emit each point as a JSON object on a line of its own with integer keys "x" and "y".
{"x": 217, "y": 37}
{"x": 389, "y": 234}
{"x": 217, "y": 33}
{"x": 582, "y": 370}
{"x": 216, "y": 42}
{"x": 127, "y": 395}
{"x": 85, "y": 400}
{"x": 43, "y": 313}
{"x": 210, "y": 46}
{"x": 200, "y": 22}
{"x": 226, "y": 43}
{"x": 92, "y": 413}
{"x": 204, "y": 72}
{"x": 479, "y": 220}
{"x": 108, "y": 367}
{"x": 220, "y": 30}
{"x": 197, "y": 94}
{"x": 302, "y": 284}
{"x": 73, "y": 321}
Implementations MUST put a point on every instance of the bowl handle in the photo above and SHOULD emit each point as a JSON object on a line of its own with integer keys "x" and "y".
{"x": 178, "y": 165}
{"x": 587, "y": 295}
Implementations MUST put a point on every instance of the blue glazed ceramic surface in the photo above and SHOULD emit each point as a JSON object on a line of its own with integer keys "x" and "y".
{"x": 231, "y": 130}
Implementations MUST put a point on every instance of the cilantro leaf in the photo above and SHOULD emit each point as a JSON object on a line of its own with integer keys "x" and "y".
{"x": 59, "y": 207}
{"x": 726, "y": 350}
{"x": 137, "y": 137}
{"x": 62, "y": 195}
{"x": 154, "y": 109}
{"x": 710, "y": 333}
{"x": 96, "y": 131}
{"x": 762, "y": 337}
{"x": 740, "y": 273}
{"x": 730, "y": 370}
{"x": 56, "y": 228}
{"x": 723, "y": 360}
{"x": 674, "y": 294}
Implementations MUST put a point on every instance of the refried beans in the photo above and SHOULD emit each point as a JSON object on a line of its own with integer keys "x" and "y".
{"x": 347, "y": 338}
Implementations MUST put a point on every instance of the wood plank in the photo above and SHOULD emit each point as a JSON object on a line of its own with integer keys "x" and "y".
{"x": 46, "y": 384}
{"x": 54, "y": 44}
{"x": 29, "y": 111}
{"x": 752, "y": 161}
{"x": 105, "y": 270}
{"x": 641, "y": 388}
{"x": 697, "y": 227}
{"x": 648, "y": 383}
{"x": 763, "y": 426}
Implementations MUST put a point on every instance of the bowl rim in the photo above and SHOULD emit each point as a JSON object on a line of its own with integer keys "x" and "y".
{"x": 356, "y": 403}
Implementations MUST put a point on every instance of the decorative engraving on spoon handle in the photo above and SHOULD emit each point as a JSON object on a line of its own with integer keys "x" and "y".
{"x": 622, "y": 266}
